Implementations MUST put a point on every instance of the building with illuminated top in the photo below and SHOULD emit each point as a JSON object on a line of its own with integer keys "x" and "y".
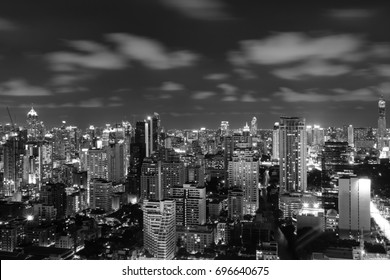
{"x": 311, "y": 216}
{"x": 354, "y": 207}
{"x": 381, "y": 133}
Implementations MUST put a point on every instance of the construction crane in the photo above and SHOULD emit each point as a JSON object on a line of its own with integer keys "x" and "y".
{"x": 12, "y": 122}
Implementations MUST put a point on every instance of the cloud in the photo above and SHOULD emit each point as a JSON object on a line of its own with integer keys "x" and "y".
{"x": 19, "y": 87}
{"x": 228, "y": 89}
{"x": 247, "y": 97}
{"x": 217, "y": 76}
{"x": 151, "y": 53}
{"x": 6, "y": 25}
{"x": 199, "y": 9}
{"x": 203, "y": 95}
{"x": 292, "y": 47}
{"x": 245, "y": 73}
{"x": 311, "y": 68}
{"x": 171, "y": 86}
{"x": 351, "y": 14}
{"x": 102, "y": 59}
{"x": 229, "y": 98}
{"x": 337, "y": 95}
{"x": 383, "y": 70}
{"x": 91, "y": 103}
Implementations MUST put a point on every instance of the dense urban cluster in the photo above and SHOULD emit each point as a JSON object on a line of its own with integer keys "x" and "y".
{"x": 139, "y": 191}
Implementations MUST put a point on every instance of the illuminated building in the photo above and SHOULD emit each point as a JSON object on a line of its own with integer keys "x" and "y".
{"x": 151, "y": 184}
{"x": 224, "y": 128}
{"x": 8, "y": 238}
{"x": 195, "y": 238}
{"x": 173, "y": 174}
{"x": 97, "y": 164}
{"x": 190, "y": 204}
{"x": 354, "y": 207}
{"x": 235, "y": 204}
{"x": 311, "y": 215}
{"x": 160, "y": 228}
{"x": 275, "y": 141}
{"x": 34, "y": 128}
{"x": 290, "y": 205}
{"x": 292, "y": 151}
{"x": 267, "y": 251}
{"x": 254, "y": 126}
{"x": 243, "y": 173}
{"x": 381, "y": 133}
{"x": 54, "y": 194}
{"x": 100, "y": 194}
{"x": 351, "y": 141}
{"x": 336, "y": 157}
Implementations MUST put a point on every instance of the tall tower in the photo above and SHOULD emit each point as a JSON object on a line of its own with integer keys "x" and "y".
{"x": 292, "y": 152}
{"x": 32, "y": 124}
{"x": 254, "y": 126}
{"x": 275, "y": 141}
{"x": 381, "y": 134}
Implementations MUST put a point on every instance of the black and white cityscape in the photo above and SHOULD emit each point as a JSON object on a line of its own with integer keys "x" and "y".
{"x": 194, "y": 130}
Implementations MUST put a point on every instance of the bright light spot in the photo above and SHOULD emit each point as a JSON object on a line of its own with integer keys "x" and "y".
{"x": 305, "y": 204}
{"x": 316, "y": 205}
{"x": 30, "y": 217}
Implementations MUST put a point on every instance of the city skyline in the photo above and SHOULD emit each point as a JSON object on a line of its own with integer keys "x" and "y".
{"x": 194, "y": 62}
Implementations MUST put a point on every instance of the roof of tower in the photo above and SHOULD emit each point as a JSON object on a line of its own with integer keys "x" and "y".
{"x": 32, "y": 113}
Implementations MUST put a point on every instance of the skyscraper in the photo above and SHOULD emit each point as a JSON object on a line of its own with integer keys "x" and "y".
{"x": 254, "y": 126}
{"x": 351, "y": 141}
{"x": 190, "y": 204}
{"x": 160, "y": 228}
{"x": 224, "y": 128}
{"x": 381, "y": 134}
{"x": 243, "y": 173}
{"x": 354, "y": 206}
{"x": 275, "y": 141}
{"x": 292, "y": 151}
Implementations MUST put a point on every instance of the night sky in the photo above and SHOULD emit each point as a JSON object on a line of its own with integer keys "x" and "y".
{"x": 196, "y": 62}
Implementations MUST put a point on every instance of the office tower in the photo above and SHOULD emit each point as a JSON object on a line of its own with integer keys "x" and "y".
{"x": 243, "y": 173}
{"x": 235, "y": 204}
{"x": 32, "y": 124}
{"x": 154, "y": 134}
{"x": 100, "y": 192}
{"x": 381, "y": 134}
{"x": 195, "y": 173}
{"x": 354, "y": 207}
{"x": 151, "y": 184}
{"x": 140, "y": 139}
{"x": 246, "y": 130}
{"x": 116, "y": 167}
{"x": 224, "y": 128}
{"x": 254, "y": 126}
{"x": 160, "y": 228}
{"x": 47, "y": 161}
{"x": 309, "y": 135}
{"x": 292, "y": 151}
{"x": 97, "y": 164}
{"x": 190, "y": 204}
{"x": 172, "y": 174}
{"x": 335, "y": 158}
{"x": 147, "y": 143}
{"x": 54, "y": 194}
{"x": 275, "y": 141}
{"x": 318, "y": 135}
{"x": 351, "y": 141}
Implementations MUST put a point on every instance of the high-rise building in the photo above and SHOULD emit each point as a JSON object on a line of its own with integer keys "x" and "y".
{"x": 235, "y": 204}
{"x": 32, "y": 124}
{"x": 335, "y": 158}
{"x": 100, "y": 192}
{"x": 160, "y": 228}
{"x": 275, "y": 141}
{"x": 254, "y": 126}
{"x": 151, "y": 184}
{"x": 381, "y": 134}
{"x": 116, "y": 167}
{"x": 190, "y": 204}
{"x": 243, "y": 173}
{"x": 351, "y": 141}
{"x": 173, "y": 174}
{"x": 97, "y": 164}
{"x": 354, "y": 207}
{"x": 224, "y": 128}
{"x": 292, "y": 151}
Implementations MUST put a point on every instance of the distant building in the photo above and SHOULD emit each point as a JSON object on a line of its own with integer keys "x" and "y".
{"x": 101, "y": 194}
